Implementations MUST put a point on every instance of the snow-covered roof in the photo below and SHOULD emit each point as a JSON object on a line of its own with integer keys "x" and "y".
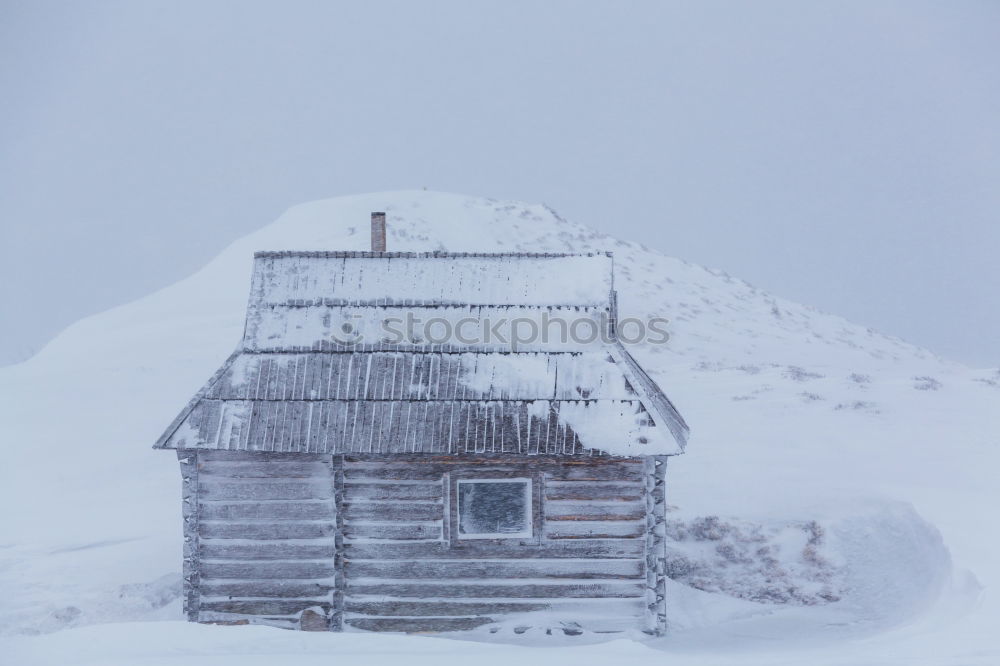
{"x": 318, "y": 372}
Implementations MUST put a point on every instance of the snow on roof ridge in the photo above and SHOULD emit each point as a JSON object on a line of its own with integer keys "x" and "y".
{"x": 445, "y": 278}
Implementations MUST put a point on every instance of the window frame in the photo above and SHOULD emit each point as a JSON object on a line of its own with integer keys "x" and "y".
{"x": 533, "y": 509}
{"x": 528, "y": 510}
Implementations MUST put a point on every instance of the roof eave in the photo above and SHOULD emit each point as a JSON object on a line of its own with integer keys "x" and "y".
{"x": 164, "y": 439}
{"x": 652, "y": 396}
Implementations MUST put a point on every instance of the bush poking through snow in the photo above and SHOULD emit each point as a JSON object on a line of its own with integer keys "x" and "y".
{"x": 860, "y": 379}
{"x": 859, "y": 405}
{"x": 782, "y": 564}
{"x": 926, "y": 383}
{"x": 797, "y": 374}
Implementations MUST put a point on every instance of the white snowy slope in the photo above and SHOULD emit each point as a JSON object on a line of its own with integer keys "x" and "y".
{"x": 836, "y": 504}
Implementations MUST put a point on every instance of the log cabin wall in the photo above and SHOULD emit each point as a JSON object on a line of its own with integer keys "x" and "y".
{"x": 371, "y": 544}
{"x": 264, "y": 533}
{"x": 583, "y": 567}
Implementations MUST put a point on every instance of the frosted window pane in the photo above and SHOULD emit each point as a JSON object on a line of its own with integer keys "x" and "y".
{"x": 494, "y": 508}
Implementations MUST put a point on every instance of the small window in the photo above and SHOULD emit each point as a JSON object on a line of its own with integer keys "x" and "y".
{"x": 494, "y": 508}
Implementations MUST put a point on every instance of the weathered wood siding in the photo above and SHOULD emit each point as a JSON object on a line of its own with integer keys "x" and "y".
{"x": 584, "y": 565}
{"x": 656, "y": 534}
{"x": 189, "y": 512}
{"x": 369, "y": 544}
{"x": 266, "y": 539}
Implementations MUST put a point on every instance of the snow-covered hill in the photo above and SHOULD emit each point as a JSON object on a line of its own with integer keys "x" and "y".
{"x": 863, "y": 464}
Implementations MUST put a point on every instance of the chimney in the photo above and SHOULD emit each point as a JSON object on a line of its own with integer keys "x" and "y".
{"x": 378, "y": 232}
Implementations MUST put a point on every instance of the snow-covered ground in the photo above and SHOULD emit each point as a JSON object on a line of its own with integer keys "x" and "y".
{"x": 836, "y": 504}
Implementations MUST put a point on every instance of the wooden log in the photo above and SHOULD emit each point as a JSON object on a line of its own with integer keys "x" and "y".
{"x": 190, "y": 514}
{"x": 264, "y": 606}
{"x": 597, "y": 548}
{"x": 448, "y": 523}
{"x": 656, "y": 610}
{"x": 266, "y": 531}
{"x": 266, "y": 550}
{"x": 437, "y": 624}
{"x": 440, "y": 608}
{"x": 265, "y": 469}
{"x": 267, "y": 569}
{"x": 602, "y": 510}
{"x": 593, "y": 490}
{"x": 537, "y": 506}
{"x": 403, "y": 532}
{"x": 213, "y": 456}
{"x": 621, "y": 471}
{"x": 266, "y": 489}
{"x": 336, "y": 620}
{"x": 374, "y": 473}
{"x": 510, "y": 569}
{"x": 279, "y": 589}
{"x": 602, "y": 607}
{"x": 393, "y": 491}
{"x": 232, "y": 620}
{"x": 273, "y": 511}
{"x": 498, "y": 588}
{"x": 393, "y": 511}
{"x": 598, "y": 529}
{"x": 428, "y": 470}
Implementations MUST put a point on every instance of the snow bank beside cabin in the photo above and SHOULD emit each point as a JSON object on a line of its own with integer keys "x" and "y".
{"x": 879, "y": 561}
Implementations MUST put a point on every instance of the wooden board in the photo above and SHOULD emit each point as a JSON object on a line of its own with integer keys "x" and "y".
{"x": 265, "y": 489}
{"x": 278, "y": 530}
{"x": 508, "y": 569}
{"x": 596, "y": 548}
{"x": 265, "y": 606}
{"x": 275, "y": 511}
{"x": 417, "y": 625}
{"x": 228, "y": 549}
{"x": 278, "y": 589}
{"x": 267, "y": 569}
{"x": 495, "y": 588}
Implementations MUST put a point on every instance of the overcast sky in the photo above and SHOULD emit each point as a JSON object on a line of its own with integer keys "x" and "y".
{"x": 844, "y": 155}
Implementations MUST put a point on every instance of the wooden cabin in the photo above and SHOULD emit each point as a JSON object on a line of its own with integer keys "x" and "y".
{"x": 336, "y": 477}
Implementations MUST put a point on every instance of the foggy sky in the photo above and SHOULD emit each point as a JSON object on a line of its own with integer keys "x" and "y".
{"x": 844, "y": 155}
